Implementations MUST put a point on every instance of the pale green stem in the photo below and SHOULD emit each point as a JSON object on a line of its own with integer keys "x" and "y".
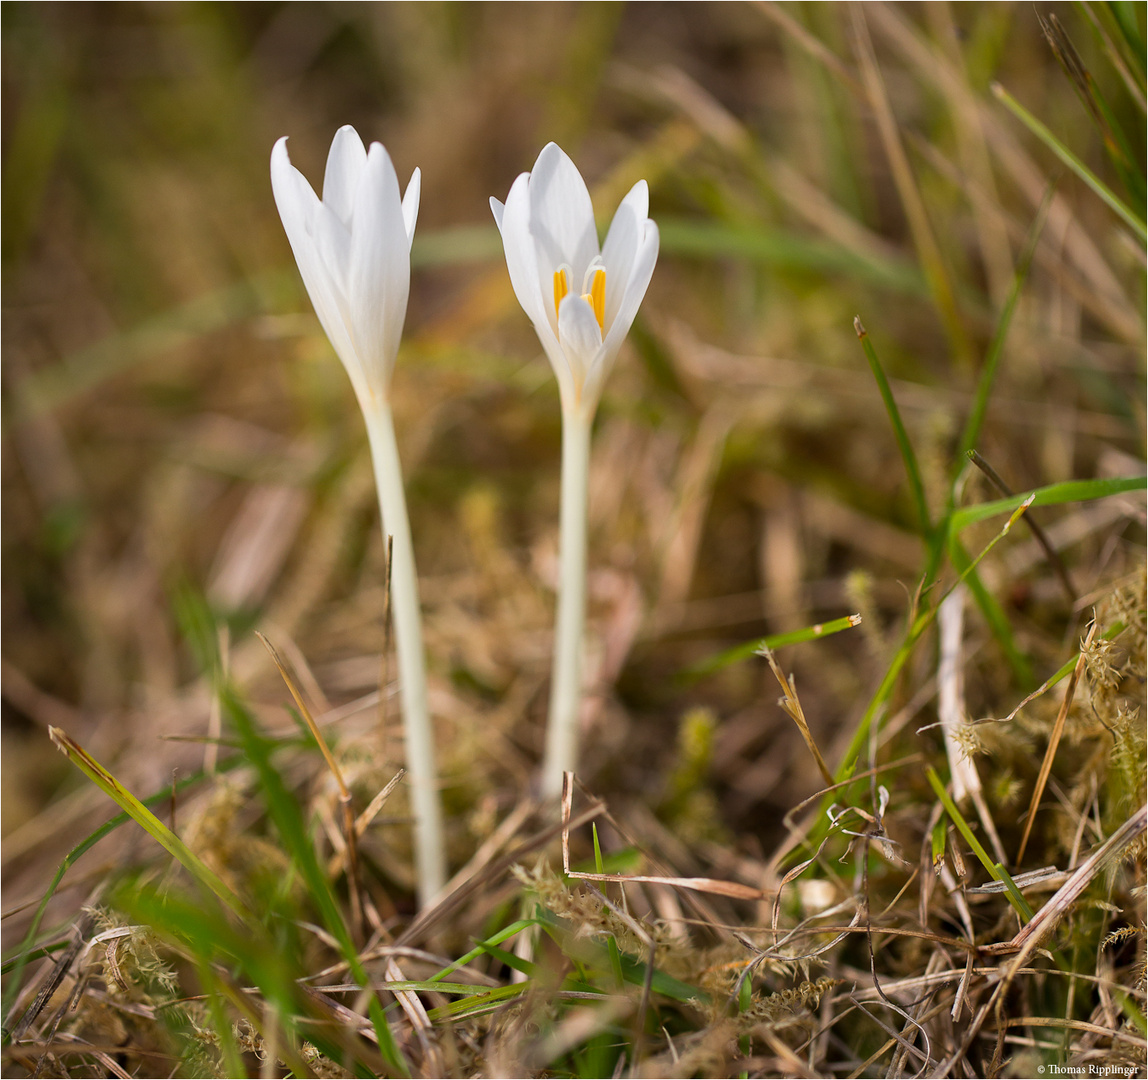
{"x": 430, "y": 856}
{"x": 566, "y": 685}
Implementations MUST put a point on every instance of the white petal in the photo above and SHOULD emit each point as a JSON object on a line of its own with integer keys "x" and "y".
{"x": 522, "y": 263}
{"x": 579, "y": 334}
{"x": 496, "y": 208}
{"x": 561, "y": 215}
{"x": 640, "y": 274}
{"x": 333, "y": 242}
{"x": 380, "y": 270}
{"x": 300, "y": 208}
{"x": 622, "y": 245}
{"x": 345, "y": 163}
{"x": 294, "y": 198}
{"x": 411, "y": 205}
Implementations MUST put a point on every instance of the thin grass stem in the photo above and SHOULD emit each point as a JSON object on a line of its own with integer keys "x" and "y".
{"x": 907, "y": 453}
{"x": 998, "y": 872}
{"x": 996, "y": 347}
{"x": 1072, "y": 161}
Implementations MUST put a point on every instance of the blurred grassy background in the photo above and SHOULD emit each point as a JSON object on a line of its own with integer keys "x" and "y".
{"x": 177, "y": 427}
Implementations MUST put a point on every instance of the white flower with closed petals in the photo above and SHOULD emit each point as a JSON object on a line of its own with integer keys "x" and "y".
{"x": 353, "y": 250}
{"x": 581, "y": 300}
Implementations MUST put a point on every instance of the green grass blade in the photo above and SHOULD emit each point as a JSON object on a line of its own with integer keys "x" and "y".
{"x": 996, "y": 347}
{"x": 998, "y": 872}
{"x": 456, "y": 246}
{"x": 1120, "y": 151}
{"x": 212, "y": 939}
{"x": 1111, "y": 132}
{"x": 1124, "y": 15}
{"x": 503, "y": 956}
{"x": 480, "y": 948}
{"x": 994, "y": 614}
{"x": 937, "y": 841}
{"x": 773, "y": 642}
{"x": 288, "y": 819}
{"x": 611, "y": 942}
{"x": 221, "y": 1022}
{"x": 1066, "y": 669}
{"x": 785, "y": 250}
{"x": 24, "y": 954}
{"x": 1131, "y": 1010}
{"x": 456, "y": 1010}
{"x": 590, "y": 952}
{"x": 143, "y": 817}
{"x": 55, "y": 385}
{"x": 634, "y": 972}
{"x": 907, "y": 454}
{"x": 34, "y": 954}
{"x": 744, "y": 1000}
{"x": 1053, "y": 495}
{"x": 1125, "y": 213}
{"x": 904, "y": 651}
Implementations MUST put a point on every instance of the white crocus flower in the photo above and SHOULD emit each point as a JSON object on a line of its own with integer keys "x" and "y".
{"x": 353, "y": 250}
{"x": 582, "y": 300}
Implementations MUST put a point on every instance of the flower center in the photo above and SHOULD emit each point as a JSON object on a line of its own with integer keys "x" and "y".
{"x": 593, "y": 289}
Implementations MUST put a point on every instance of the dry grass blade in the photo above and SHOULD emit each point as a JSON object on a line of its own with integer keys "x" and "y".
{"x": 790, "y": 703}
{"x": 732, "y": 889}
{"x": 305, "y": 713}
{"x": 183, "y": 467}
{"x": 55, "y": 976}
{"x": 1054, "y": 743}
{"x": 951, "y": 696}
{"x": 72, "y": 1044}
{"x": 454, "y": 899}
{"x": 932, "y": 262}
{"x": 1039, "y": 535}
{"x": 1059, "y": 904}
{"x": 792, "y": 874}
{"x": 377, "y": 803}
{"x": 420, "y": 1022}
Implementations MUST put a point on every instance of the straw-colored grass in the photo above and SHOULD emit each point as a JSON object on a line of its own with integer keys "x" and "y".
{"x": 927, "y": 859}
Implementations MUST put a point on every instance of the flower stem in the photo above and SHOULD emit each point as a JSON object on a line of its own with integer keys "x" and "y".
{"x": 566, "y": 685}
{"x": 430, "y": 855}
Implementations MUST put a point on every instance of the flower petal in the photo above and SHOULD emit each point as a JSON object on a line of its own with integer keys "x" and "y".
{"x": 300, "y": 208}
{"x": 579, "y": 334}
{"x": 561, "y": 214}
{"x": 622, "y": 245}
{"x": 333, "y": 242}
{"x": 640, "y": 273}
{"x": 521, "y": 260}
{"x": 411, "y": 204}
{"x": 294, "y": 198}
{"x": 378, "y": 281}
{"x": 345, "y": 163}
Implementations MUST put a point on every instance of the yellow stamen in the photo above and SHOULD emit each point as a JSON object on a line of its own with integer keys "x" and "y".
{"x": 596, "y": 297}
{"x": 561, "y": 287}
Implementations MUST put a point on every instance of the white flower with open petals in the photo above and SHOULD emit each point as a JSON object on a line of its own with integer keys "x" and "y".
{"x": 582, "y": 300}
{"x": 353, "y": 250}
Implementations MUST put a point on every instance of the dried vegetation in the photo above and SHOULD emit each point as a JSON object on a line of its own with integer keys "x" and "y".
{"x": 184, "y": 464}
